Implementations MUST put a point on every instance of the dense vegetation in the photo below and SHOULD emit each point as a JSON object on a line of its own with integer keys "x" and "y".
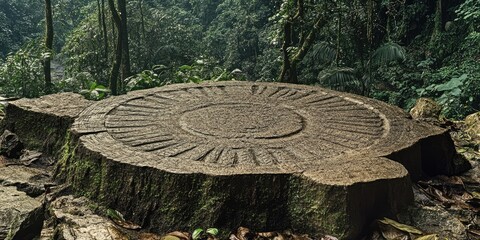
{"x": 393, "y": 50}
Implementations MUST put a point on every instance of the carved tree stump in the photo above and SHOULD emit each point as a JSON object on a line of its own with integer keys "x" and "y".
{"x": 262, "y": 155}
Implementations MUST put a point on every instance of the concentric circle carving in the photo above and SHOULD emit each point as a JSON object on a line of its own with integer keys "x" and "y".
{"x": 244, "y": 124}
{"x": 242, "y": 120}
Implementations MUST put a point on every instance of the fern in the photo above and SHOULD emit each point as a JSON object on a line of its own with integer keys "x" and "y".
{"x": 340, "y": 78}
{"x": 324, "y": 51}
{"x": 387, "y": 53}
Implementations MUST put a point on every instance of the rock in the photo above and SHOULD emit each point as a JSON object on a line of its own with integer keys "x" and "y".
{"x": 10, "y": 145}
{"x": 75, "y": 220}
{"x": 42, "y": 123}
{"x": 262, "y": 155}
{"x": 21, "y": 217}
{"x": 426, "y": 109}
{"x": 29, "y": 180}
{"x": 29, "y": 157}
{"x": 472, "y": 126}
{"x": 434, "y": 220}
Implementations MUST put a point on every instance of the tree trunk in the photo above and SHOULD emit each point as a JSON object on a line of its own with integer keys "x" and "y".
{"x": 118, "y": 49}
{"x": 286, "y": 72}
{"x": 438, "y": 19}
{"x": 290, "y": 63}
{"x": 104, "y": 31}
{"x": 48, "y": 45}
{"x": 143, "y": 35}
{"x": 125, "y": 67}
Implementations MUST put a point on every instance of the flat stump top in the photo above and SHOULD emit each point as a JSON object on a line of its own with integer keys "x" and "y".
{"x": 246, "y": 128}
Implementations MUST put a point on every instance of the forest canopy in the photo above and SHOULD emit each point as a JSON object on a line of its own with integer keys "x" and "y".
{"x": 392, "y": 50}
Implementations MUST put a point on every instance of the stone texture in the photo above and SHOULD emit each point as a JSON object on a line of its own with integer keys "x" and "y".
{"x": 42, "y": 123}
{"x": 426, "y": 109}
{"x": 472, "y": 125}
{"x": 29, "y": 180}
{"x": 434, "y": 220}
{"x": 21, "y": 217}
{"x": 10, "y": 145}
{"x": 75, "y": 220}
{"x": 262, "y": 155}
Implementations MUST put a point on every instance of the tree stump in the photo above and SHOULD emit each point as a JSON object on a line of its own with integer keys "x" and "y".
{"x": 42, "y": 123}
{"x": 261, "y": 155}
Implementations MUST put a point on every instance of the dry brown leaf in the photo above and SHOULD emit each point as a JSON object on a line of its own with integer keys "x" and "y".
{"x": 149, "y": 236}
{"x": 180, "y": 235}
{"x": 244, "y": 233}
{"x": 127, "y": 224}
{"x": 400, "y": 226}
{"x": 267, "y": 234}
{"x": 428, "y": 237}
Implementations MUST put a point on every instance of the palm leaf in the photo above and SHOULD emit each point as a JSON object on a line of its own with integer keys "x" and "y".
{"x": 324, "y": 51}
{"x": 339, "y": 78}
{"x": 387, "y": 53}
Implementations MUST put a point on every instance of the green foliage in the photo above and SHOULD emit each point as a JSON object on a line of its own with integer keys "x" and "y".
{"x": 340, "y": 78}
{"x": 95, "y": 91}
{"x": 200, "y": 234}
{"x": 160, "y": 75}
{"x": 18, "y": 24}
{"x": 83, "y": 51}
{"x": 200, "y": 71}
{"x": 469, "y": 12}
{"x": 389, "y": 52}
{"x": 21, "y": 74}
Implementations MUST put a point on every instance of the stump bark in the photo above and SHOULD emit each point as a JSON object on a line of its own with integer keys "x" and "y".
{"x": 43, "y": 123}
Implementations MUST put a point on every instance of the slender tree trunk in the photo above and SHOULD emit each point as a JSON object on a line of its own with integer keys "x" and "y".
{"x": 289, "y": 67}
{"x": 286, "y": 66}
{"x": 339, "y": 35}
{"x": 118, "y": 49}
{"x": 48, "y": 45}
{"x": 438, "y": 20}
{"x": 143, "y": 35}
{"x": 125, "y": 67}
{"x": 103, "y": 27}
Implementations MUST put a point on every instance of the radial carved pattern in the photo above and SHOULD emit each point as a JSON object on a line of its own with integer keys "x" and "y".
{"x": 245, "y": 124}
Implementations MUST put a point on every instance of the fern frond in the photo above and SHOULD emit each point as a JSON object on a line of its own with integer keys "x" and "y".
{"x": 324, "y": 51}
{"x": 339, "y": 78}
{"x": 387, "y": 53}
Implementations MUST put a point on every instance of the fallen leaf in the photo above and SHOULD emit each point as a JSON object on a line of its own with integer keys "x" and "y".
{"x": 306, "y": 237}
{"x": 170, "y": 237}
{"x": 244, "y": 233}
{"x": 180, "y": 235}
{"x": 328, "y": 237}
{"x": 127, "y": 225}
{"x": 428, "y": 237}
{"x": 267, "y": 234}
{"x": 118, "y": 219}
{"x": 149, "y": 236}
{"x": 115, "y": 215}
{"x": 400, "y": 226}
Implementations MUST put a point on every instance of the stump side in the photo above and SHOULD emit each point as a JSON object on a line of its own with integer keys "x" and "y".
{"x": 42, "y": 123}
{"x": 162, "y": 201}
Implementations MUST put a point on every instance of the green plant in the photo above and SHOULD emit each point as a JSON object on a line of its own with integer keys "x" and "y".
{"x": 21, "y": 74}
{"x": 458, "y": 96}
{"x": 95, "y": 91}
{"x": 200, "y": 234}
{"x": 145, "y": 79}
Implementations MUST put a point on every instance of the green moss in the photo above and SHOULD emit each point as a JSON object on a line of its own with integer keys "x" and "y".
{"x": 311, "y": 203}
